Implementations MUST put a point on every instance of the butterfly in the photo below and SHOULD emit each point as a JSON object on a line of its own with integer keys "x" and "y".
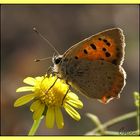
{"x": 94, "y": 65}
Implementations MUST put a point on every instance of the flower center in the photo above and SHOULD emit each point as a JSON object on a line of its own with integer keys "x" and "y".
{"x": 53, "y": 96}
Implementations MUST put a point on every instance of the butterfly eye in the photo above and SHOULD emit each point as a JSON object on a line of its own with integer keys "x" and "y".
{"x": 57, "y": 60}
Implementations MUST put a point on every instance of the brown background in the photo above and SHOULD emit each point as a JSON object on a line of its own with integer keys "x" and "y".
{"x": 63, "y": 25}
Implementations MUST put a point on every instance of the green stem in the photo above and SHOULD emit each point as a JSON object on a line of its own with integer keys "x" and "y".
{"x": 138, "y": 120}
{"x": 114, "y": 121}
{"x": 34, "y": 127}
{"x": 96, "y": 120}
{"x": 137, "y": 104}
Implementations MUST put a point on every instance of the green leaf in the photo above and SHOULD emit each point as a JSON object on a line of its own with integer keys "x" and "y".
{"x": 137, "y": 99}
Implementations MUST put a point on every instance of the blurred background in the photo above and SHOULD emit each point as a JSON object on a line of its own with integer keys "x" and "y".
{"x": 63, "y": 26}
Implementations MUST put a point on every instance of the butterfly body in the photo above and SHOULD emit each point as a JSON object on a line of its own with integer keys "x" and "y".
{"x": 93, "y": 66}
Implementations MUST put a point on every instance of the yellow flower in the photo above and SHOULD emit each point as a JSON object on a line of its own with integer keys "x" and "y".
{"x": 49, "y": 95}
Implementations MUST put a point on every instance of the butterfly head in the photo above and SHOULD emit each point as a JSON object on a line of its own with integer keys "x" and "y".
{"x": 57, "y": 59}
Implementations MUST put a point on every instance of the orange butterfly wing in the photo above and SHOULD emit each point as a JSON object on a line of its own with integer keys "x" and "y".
{"x": 107, "y": 45}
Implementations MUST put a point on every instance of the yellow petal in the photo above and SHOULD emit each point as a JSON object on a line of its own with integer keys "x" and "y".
{"x": 24, "y": 99}
{"x": 30, "y": 81}
{"x": 59, "y": 118}
{"x": 75, "y": 103}
{"x": 72, "y": 112}
{"x": 50, "y": 117}
{"x": 34, "y": 105}
{"x": 39, "y": 79}
{"x": 25, "y": 88}
{"x": 72, "y": 95}
{"x": 38, "y": 111}
{"x": 48, "y": 82}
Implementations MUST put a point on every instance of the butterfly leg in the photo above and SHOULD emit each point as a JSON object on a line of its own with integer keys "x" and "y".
{"x": 52, "y": 85}
{"x": 49, "y": 71}
{"x": 65, "y": 95}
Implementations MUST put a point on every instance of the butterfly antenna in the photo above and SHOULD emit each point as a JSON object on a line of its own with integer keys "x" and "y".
{"x": 37, "y": 60}
{"x": 34, "y": 29}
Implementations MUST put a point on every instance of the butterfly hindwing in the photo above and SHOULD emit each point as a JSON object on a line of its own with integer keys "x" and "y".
{"x": 96, "y": 79}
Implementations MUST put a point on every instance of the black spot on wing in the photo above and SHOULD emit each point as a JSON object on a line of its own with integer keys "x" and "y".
{"x": 105, "y": 40}
{"x": 76, "y": 57}
{"x": 117, "y": 49}
{"x": 114, "y": 61}
{"x": 104, "y": 49}
{"x": 101, "y": 58}
{"x": 108, "y": 44}
{"x": 118, "y": 54}
{"x": 107, "y": 54}
{"x": 93, "y": 46}
{"x": 109, "y": 77}
{"x": 85, "y": 51}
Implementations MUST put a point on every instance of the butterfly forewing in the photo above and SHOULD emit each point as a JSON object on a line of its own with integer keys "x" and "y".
{"x": 107, "y": 45}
